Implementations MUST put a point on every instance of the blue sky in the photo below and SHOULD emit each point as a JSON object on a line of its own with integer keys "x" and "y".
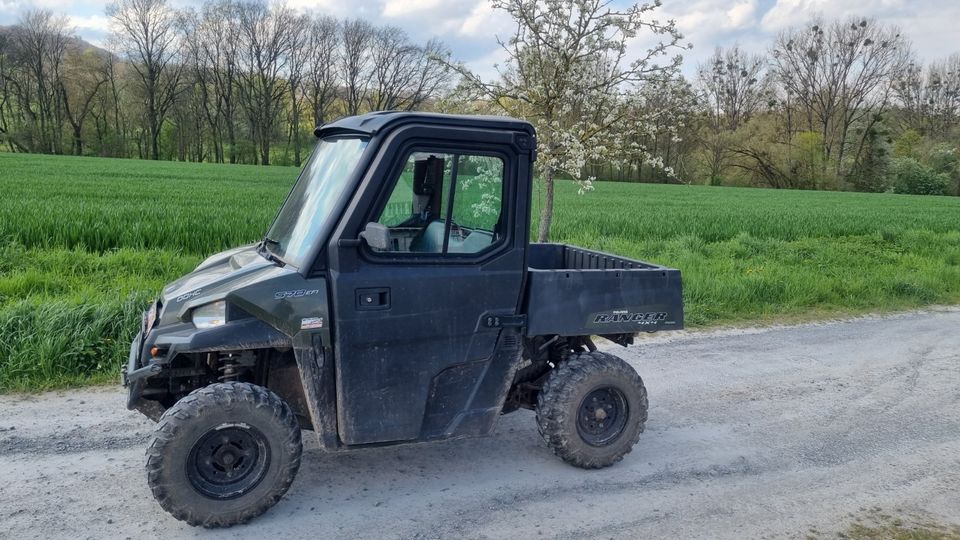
{"x": 470, "y": 27}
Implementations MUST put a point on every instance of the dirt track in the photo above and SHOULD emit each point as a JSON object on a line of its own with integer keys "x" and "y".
{"x": 752, "y": 433}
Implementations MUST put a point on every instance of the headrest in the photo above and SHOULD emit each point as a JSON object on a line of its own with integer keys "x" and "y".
{"x": 427, "y": 175}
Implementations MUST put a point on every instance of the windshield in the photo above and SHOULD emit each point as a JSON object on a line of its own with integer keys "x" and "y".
{"x": 306, "y": 212}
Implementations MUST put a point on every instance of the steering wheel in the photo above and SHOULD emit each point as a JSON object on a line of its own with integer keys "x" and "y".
{"x": 460, "y": 232}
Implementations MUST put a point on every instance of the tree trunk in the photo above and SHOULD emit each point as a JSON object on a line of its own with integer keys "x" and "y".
{"x": 265, "y": 150}
{"x": 232, "y": 140}
{"x": 296, "y": 140}
{"x": 154, "y": 139}
{"x": 546, "y": 213}
{"x": 77, "y": 140}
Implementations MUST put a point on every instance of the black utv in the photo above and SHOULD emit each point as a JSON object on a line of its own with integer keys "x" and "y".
{"x": 396, "y": 298}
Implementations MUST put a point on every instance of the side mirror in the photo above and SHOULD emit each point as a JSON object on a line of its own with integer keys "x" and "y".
{"x": 377, "y": 236}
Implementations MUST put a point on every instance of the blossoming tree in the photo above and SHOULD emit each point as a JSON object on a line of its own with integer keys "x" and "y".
{"x": 576, "y": 70}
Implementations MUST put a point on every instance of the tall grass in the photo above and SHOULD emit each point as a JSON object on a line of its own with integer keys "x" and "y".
{"x": 100, "y": 204}
{"x": 85, "y": 243}
{"x": 67, "y": 316}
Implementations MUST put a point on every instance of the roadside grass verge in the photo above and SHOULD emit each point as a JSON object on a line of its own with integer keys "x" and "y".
{"x": 86, "y": 243}
{"x": 877, "y": 524}
{"x": 901, "y": 532}
{"x": 67, "y": 316}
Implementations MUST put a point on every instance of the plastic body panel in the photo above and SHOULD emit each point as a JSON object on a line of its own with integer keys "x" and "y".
{"x": 578, "y": 292}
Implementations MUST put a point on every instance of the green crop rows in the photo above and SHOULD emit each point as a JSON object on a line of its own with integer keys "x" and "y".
{"x": 85, "y": 243}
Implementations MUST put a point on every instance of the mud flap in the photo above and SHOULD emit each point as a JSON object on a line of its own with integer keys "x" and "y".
{"x": 315, "y": 364}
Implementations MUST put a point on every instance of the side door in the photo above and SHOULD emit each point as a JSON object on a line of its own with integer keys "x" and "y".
{"x": 413, "y": 346}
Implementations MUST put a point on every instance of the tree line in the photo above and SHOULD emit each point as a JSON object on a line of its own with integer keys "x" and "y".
{"x": 232, "y": 81}
{"x": 831, "y": 104}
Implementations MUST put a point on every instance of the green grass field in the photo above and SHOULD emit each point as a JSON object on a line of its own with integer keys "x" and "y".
{"x": 85, "y": 243}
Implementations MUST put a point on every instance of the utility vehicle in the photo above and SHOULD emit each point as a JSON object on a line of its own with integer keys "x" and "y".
{"x": 396, "y": 298}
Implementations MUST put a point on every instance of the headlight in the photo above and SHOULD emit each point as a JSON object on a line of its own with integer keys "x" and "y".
{"x": 210, "y": 315}
{"x": 151, "y": 316}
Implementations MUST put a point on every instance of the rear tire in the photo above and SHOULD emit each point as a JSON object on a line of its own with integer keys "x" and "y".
{"x": 592, "y": 409}
{"x": 223, "y": 455}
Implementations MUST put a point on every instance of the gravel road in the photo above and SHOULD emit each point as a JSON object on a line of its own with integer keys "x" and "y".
{"x": 753, "y": 433}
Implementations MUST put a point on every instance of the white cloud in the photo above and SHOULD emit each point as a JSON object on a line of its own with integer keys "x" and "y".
{"x": 786, "y": 13}
{"x": 405, "y": 8}
{"x": 929, "y": 24}
{"x": 15, "y": 7}
{"x": 96, "y": 23}
{"x": 708, "y": 22}
{"x": 741, "y": 14}
{"x": 331, "y": 7}
{"x": 484, "y": 21}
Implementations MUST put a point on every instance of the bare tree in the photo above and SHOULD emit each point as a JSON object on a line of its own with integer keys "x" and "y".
{"x": 357, "y": 38}
{"x": 911, "y": 92}
{"x": 930, "y": 98}
{"x": 9, "y": 113}
{"x": 405, "y": 75}
{"x": 735, "y": 86}
{"x": 41, "y": 38}
{"x": 84, "y": 77}
{"x": 218, "y": 42}
{"x": 112, "y": 105}
{"x": 147, "y": 30}
{"x": 839, "y": 75}
{"x": 432, "y": 75}
{"x": 298, "y": 61}
{"x": 392, "y": 57}
{"x": 265, "y": 37}
{"x": 322, "y": 69}
{"x": 199, "y": 78}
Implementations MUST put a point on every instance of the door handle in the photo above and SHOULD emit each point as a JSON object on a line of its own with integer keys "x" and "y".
{"x": 373, "y": 299}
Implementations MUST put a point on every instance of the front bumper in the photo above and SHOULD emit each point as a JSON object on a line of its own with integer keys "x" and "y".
{"x": 184, "y": 338}
{"x": 133, "y": 377}
{"x": 131, "y": 380}
{"x": 133, "y": 359}
{"x": 135, "y": 372}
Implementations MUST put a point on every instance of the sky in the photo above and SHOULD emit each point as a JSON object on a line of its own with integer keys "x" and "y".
{"x": 470, "y": 27}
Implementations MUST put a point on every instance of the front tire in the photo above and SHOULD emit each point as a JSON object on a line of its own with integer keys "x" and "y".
{"x": 591, "y": 409}
{"x": 223, "y": 455}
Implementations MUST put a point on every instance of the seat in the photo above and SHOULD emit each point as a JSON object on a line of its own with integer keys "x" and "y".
{"x": 430, "y": 240}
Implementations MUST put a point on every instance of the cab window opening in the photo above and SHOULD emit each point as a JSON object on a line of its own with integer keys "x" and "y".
{"x": 445, "y": 204}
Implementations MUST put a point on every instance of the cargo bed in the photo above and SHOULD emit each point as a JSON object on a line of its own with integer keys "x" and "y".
{"x": 573, "y": 291}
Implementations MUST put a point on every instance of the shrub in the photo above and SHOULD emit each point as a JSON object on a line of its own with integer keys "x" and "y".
{"x": 910, "y": 176}
{"x": 944, "y": 158}
{"x": 908, "y": 145}
{"x": 871, "y": 173}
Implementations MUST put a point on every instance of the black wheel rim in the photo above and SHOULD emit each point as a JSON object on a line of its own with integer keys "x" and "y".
{"x": 602, "y": 416}
{"x": 228, "y": 461}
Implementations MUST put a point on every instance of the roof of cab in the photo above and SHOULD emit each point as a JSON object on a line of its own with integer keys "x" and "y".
{"x": 371, "y": 123}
